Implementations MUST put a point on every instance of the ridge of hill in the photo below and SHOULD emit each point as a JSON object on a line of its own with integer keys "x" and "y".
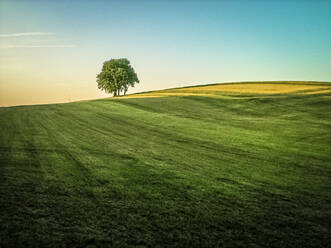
{"x": 240, "y": 88}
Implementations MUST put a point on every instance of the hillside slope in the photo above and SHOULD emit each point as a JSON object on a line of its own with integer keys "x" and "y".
{"x": 242, "y": 169}
{"x": 244, "y": 88}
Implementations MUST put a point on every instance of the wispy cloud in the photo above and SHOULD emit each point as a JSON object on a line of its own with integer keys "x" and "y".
{"x": 25, "y": 34}
{"x": 28, "y": 40}
{"x": 37, "y": 46}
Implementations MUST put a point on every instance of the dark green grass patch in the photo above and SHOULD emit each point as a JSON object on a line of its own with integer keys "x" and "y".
{"x": 167, "y": 172}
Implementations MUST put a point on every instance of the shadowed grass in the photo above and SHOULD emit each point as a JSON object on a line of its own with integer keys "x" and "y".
{"x": 179, "y": 171}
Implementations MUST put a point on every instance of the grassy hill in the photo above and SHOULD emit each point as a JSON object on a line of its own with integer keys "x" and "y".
{"x": 233, "y": 165}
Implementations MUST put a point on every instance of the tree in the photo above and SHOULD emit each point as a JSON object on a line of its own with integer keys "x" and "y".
{"x": 117, "y": 75}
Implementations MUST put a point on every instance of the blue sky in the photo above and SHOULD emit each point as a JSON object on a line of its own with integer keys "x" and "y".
{"x": 51, "y": 51}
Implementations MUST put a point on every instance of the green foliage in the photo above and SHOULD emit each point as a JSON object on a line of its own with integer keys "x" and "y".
{"x": 117, "y": 75}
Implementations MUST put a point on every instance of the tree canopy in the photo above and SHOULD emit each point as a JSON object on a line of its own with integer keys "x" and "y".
{"x": 117, "y": 75}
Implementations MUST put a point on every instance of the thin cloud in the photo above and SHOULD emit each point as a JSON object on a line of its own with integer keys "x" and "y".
{"x": 26, "y": 34}
{"x": 37, "y": 46}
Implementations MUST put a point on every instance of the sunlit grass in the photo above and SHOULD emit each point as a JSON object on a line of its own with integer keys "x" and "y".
{"x": 255, "y": 88}
{"x": 318, "y": 91}
{"x": 269, "y": 88}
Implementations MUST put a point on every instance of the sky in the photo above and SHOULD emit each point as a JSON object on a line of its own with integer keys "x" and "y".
{"x": 51, "y": 51}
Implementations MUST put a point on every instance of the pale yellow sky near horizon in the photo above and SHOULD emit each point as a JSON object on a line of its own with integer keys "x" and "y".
{"x": 51, "y": 51}
{"x": 56, "y": 75}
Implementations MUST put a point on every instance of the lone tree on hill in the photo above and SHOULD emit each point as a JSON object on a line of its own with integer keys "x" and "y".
{"x": 117, "y": 75}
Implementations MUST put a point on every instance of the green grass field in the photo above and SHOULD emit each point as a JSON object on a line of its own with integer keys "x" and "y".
{"x": 232, "y": 170}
